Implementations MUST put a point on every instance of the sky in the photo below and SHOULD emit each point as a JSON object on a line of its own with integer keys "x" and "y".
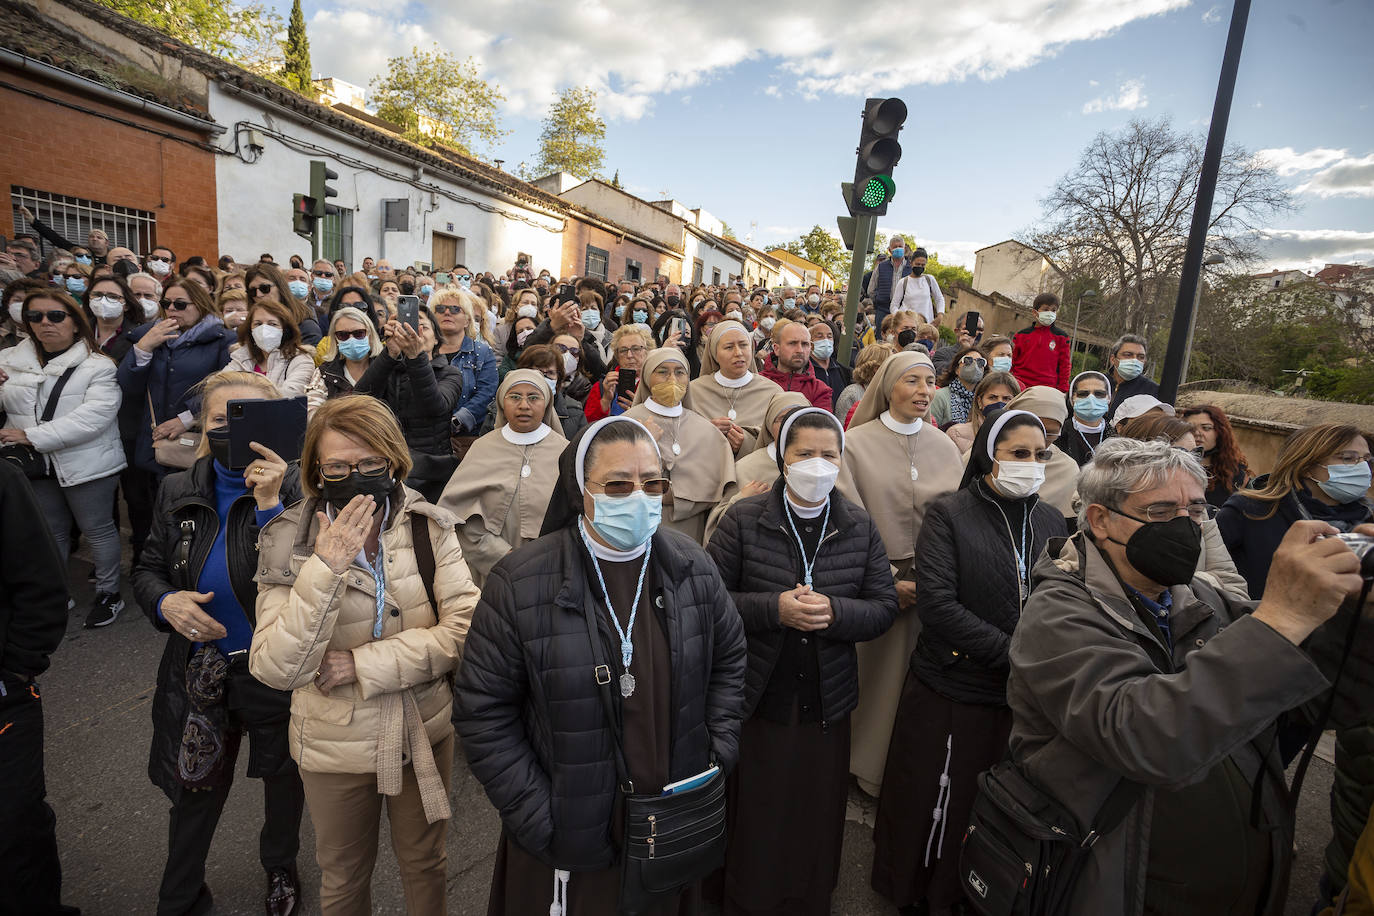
{"x": 752, "y": 111}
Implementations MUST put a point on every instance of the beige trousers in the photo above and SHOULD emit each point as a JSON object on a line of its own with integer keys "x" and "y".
{"x": 346, "y": 810}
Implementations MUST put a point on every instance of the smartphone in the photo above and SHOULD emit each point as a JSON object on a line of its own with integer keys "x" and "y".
{"x": 408, "y": 310}
{"x": 682, "y": 327}
{"x": 971, "y": 323}
{"x": 628, "y": 381}
{"x": 278, "y": 424}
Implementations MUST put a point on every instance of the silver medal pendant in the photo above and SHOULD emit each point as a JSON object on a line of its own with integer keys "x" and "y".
{"x": 677, "y": 449}
{"x": 913, "y": 472}
{"x": 732, "y": 415}
{"x": 525, "y": 470}
{"x": 627, "y": 684}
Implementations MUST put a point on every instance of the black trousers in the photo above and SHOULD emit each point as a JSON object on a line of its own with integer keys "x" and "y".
{"x": 32, "y": 885}
{"x": 139, "y": 488}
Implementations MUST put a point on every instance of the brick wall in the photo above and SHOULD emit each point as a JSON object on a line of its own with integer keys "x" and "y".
{"x": 50, "y": 147}
{"x": 578, "y": 235}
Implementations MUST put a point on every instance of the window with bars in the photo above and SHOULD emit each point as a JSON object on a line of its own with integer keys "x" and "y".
{"x": 73, "y": 218}
{"x": 696, "y": 271}
{"x": 598, "y": 262}
{"x": 633, "y": 270}
{"x": 715, "y": 276}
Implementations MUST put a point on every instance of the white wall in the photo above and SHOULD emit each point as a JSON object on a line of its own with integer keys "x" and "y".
{"x": 1015, "y": 271}
{"x": 255, "y": 199}
{"x": 718, "y": 258}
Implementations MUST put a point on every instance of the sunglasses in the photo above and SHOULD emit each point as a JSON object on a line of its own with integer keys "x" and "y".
{"x": 619, "y": 489}
{"x": 323, "y": 273}
{"x": 973, "y": 361}
{"x": 177, "y": 305}
{"x": 262, "y": 289}
{"x": 1041, "y": 455}
{"x": 359, "y": 334}
{"x": 563, "y": 348}
{"x": 55, "y": 316}
{"x": 447, "y": 309}
{"x": 158, "y": 257}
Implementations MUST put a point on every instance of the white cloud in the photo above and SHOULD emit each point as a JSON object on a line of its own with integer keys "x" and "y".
{"x": 772, "y": 92}
{"x": 1345, "y": 178}
{"x": 1314, "y": 247}
{"x": 1129, "y": 97}
{"x": 818, "y": 46}
{"x": 1212, "y": 16}
{"x": 1288, "y": 161}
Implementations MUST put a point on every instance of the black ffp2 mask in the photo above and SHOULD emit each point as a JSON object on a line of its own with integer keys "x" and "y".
{"x": 1165, "y": 552}
{"x": 337, "y": 493}
{"x": 218, "y": 442}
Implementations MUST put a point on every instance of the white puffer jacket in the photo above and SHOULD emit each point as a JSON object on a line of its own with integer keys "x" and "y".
{"x": 81, "y": 441}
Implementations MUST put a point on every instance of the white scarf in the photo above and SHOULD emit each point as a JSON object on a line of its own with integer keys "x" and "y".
{"x": 905, "y": 429}
{"x": 662, "y": 411}
{"x": 740, "y": 382}
{"x": 532, "y": 437}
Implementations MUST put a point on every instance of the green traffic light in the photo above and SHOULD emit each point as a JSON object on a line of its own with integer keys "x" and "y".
{"x": 878, "y": 191}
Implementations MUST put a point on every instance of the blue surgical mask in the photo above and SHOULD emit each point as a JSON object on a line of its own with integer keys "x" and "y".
{"x": 1347, "y": 483}
{"x": 1090, "y": 407}
{"x": 1001, "y": 364}
{"x": 1130, "y": 368}
{"x": 84, "y": 259}
{"x": 640, "y": 316}
{"x": 76, "y": 285}
{"x": 324, "y": 284}
{"x": 465, "y": 283}
{"x": 626, "y": 522}
{"x": 355, "y": 349}
{"x": 299, "y": 288}
{"x": 426, "y": 291}
{"x": 788, "y": 303}
{"x": 899, "y": 252}
{"x": 591, "y": 319}
{"x": 823, "y": 349}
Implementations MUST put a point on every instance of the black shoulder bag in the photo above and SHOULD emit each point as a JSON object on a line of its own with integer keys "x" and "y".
{"x": 27, "y": 458}
{"x": 1023, "y": 850}
{"x": 669, "y": 841}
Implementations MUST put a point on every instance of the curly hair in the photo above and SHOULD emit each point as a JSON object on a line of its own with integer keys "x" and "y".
{"x": 1227, "y": 460}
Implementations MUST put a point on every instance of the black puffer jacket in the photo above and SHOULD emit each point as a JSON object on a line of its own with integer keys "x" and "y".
{"x": 526, "y": 702}
{"x": 336, "y": 383}
{"x": 969, "y": 600}
{"x": 185, "y": 525}
{"x": 758, "y": 559}
{"x": 421, "y": 392}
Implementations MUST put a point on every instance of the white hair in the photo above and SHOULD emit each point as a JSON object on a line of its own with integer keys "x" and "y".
{"x": 1122, "y": 466}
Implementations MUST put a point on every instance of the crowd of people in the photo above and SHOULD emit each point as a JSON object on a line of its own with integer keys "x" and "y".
{"x": 643, "y": 541}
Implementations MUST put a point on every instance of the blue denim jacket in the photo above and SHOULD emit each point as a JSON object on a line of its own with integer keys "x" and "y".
{"x": 477, "y": 362}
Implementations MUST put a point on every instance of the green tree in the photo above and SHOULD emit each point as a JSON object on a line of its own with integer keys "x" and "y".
{"x": 572, "y": 135}
{"x": 243, "y": 34}
{"x": 947, "y": 274}
{"x": 434, "y": 96}
{"x": 615, "y": 179}
{"x": 725, "y": 230}
{"x": 821, "y": 247}
{"x": 296, "y": 73}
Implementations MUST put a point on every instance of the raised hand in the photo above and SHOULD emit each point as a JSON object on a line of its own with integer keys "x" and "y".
{"x": 339, "y": 541}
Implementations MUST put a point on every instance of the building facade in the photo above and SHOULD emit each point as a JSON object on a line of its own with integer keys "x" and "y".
{"x": 1017, "y": 271}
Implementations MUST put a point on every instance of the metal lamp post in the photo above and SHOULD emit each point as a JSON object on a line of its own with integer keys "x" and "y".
{"x": 1210, "y": 261}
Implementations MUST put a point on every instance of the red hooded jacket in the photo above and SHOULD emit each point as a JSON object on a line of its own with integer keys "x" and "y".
{"x": 812, "y": 388}
{"x": 1041, "y": 355}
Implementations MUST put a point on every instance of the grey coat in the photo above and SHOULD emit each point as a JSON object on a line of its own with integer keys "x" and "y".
{"x": 1096, "y": 697}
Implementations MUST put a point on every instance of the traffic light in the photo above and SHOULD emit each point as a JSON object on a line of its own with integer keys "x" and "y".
{"x": 847, "y": 224}
{"x": 878, "y": 153}
{"x": 320, "y": 191}
{"x": 303, "y": 215}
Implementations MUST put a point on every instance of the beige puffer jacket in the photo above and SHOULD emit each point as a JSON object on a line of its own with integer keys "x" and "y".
{"x": 305, "y": 609}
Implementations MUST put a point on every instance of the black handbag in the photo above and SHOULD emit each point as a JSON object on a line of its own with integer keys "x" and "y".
{"x": 1023, "y": 850}
{"x": 669, "y": 841}
{"x": 27, "y": 458}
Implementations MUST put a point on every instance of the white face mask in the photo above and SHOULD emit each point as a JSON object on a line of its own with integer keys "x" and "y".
{"x": 149, "y": 306}
{"x": 107, "y": 308}
{"x": 267, "y": 337}
{"x": 1019, "y": 479}
{"x": 526, "y": 311}
{"x": 158, "y": 268}
{"x": 812, "y": 479}
{"x": 17, "y": 311}
{"x": 569, "y": 364}
{"x": 734, "y": 316}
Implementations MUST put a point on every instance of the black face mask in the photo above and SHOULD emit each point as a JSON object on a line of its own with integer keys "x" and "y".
{"x": 673, "y": 301}
{"x": 1165, "y": 552}
{"x": 337, "y": 493}
{"x": 407, "y": 288}
{"x": 218, "y": 440}
{"x": 917, "y": 269}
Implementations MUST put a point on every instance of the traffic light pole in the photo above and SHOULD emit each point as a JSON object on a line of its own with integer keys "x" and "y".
{"x": 865, "y": 225}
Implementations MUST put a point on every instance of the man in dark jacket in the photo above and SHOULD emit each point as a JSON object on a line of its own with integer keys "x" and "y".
{"x": 1127, "y": 371}
{"x": 33, "y": 619}
{"x": 824, "y": 365}
{"x": 882, "y": 280}
{"x": 792, "y": 369}
{"x": 1040, "y": 354}
{"x": 1126, "y": 667}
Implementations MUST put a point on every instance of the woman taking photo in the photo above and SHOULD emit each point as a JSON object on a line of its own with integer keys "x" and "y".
{"x": 728, "y": 392}
{"x": 461, "y": 322}
{"x": 363, "y": 605}
{"x": 953, "y": 402}
{"x": 808, "y": 573}
{"x": 895, "y": 465}
{"x": 266, "y": 281}
{"x": 61, "y": 404}
{"x": 270, "y": 345}
{"x": 977, "y": 548}
{"x": 170, "y": 356}
{"x": 1322, "y": 472}
{"x": 1090, "y": 393}
{"x": 537, "y": 736}
{"x": 993, "y": 393}
{"x": 1227, "y": 470}
{"x": 207, "y": 606}
{"x": 421, "y": 391}
{"x": 630, "y": 344}
{"x": 502, "y": 488}
{"x": 695, "y": 456}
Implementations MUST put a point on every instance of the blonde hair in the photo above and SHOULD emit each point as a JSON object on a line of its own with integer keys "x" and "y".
{"x": 363, "y": 419}
{"x": 871, "y": 360}
{"x": 331, "y": 350}
{"x": 1303, "y": 450}
{"x": 228, "y": 378}
{"x": 625, "y": 330}
{"x": 471, "y": 303}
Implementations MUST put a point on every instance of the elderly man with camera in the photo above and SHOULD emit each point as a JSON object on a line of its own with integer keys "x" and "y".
{"x": 1144, "y": 700}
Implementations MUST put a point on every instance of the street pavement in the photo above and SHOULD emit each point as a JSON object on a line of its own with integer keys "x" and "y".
{"x": 112, "y": 822}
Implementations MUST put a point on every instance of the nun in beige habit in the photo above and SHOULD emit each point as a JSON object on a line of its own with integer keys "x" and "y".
{"x": 895, "y": 465}
{"x": 756, "y": 471}
{"x": 500, "y": 491}
{"x": 727, "y": 393}
{"x": 696, "y": 456}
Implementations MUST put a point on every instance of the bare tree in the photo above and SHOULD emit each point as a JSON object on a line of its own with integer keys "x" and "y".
{"x": 1121, "y": 217}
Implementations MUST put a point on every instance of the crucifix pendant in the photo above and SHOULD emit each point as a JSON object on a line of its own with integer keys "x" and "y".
{"x": 627, "y": 684}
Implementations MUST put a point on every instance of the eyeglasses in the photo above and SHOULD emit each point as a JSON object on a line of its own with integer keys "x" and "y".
{"x": 619, "y": 489}
{"x": 157, "y": 257}
{"x": 631, "y": 351}
{"x": 323, "y": 273}
{"x": 974, "y": 361}
{"x": 55, "y": 316}
{"x": 517, "y": 398}
{"x": 1350, "y": 458}
{"x": 1199, "y": 512}
{"x": 447, "y": 309}
{"x": 372, "y": 466}
{"x": 359, "y": 334}
{"x": 262, "y": 289}
{"x": 564, "y": 348}
{"x": 177, "y": 305}
{"x": 1042, "y": 455}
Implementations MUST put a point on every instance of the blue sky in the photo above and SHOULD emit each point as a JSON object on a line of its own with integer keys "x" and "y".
{"x": 752, "y": 111}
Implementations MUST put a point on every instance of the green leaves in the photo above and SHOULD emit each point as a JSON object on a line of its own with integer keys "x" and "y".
{"x": 572, "y": 136}
{"x": 245, "y": 35}
{"x": 296, "y": 72}
{"x": 434, "y": 96}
